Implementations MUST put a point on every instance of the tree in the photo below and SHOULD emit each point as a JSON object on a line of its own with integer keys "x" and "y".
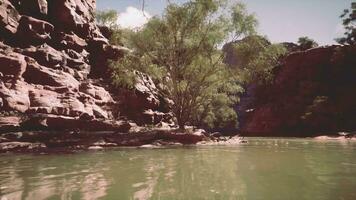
{"x": 181, "y": 51}
{"x": 306, "y": 43}
{"x": 253, "y": 59}
{"x": 107, "y": 18}
{"x": 349, "y": 23}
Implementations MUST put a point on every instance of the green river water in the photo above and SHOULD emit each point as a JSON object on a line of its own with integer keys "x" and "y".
{"x": 266, "y": 169}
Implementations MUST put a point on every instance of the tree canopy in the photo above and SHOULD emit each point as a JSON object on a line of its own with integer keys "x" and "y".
{"x": 306, "y": 43}
{"x": 182, "y": 52}
{"x": 349, "y": 22}
{"x": 253, "y": 58}
{"x": 107, "y": 18}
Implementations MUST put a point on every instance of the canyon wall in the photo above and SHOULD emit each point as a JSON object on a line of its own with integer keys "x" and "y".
{"x": 313, "y": 92}
{"x": 54, "y": 72}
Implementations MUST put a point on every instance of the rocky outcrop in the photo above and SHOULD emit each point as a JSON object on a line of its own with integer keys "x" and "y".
{"x": 313, "y": 92}
{"x": 54, "y": 72}
{"x": 144, "y": 103}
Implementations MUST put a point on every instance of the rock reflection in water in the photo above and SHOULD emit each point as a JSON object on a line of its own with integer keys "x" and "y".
{"x": 261, "y": 169}
{"x": 41, "y": 180}
{"x": 154, "y": 170}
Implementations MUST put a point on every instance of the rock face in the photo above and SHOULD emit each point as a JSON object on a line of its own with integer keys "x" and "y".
{"x": 313, "y": 92}
{"x": 144, "y": 103}
{"x": 53, "y": 71}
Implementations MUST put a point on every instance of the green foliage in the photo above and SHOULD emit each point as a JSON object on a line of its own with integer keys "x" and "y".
{"x": 306, "y": 43}
{"x": 349, "y": 22}
{"x": 107, "y": 18}
{"x": 243, "y": 23}
{"x": 121, "y": 76}
{"x": 256, "y": 58}
{"x": 181, "y": 51}
{"x": 124, "y": 71}
{"x": 349, "y": 19}
{"x": 216, "y": 111}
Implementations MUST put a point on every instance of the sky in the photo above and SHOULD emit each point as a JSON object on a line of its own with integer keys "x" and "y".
{"x": 279, "y": 20}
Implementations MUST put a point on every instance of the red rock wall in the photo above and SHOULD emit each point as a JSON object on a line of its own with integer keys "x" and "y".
{"x": 314, "y": 92}
{"x": 49, "y": 69}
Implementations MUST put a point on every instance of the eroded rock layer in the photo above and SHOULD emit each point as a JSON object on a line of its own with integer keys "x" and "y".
{"x": 54, "y": 72}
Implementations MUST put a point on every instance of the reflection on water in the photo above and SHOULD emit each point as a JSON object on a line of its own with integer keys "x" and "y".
{"x": 261, "y": 169}
{"x": 44, "y": 177}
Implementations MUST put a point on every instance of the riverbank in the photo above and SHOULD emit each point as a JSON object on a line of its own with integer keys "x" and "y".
{"x": 140, "y": 137}
{"x": 69, "y": 141}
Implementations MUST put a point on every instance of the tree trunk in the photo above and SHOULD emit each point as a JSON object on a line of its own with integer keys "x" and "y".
{"x": 181, "y": 125}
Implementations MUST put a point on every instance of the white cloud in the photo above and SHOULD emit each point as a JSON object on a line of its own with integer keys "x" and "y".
{"x": 133, "y": 18}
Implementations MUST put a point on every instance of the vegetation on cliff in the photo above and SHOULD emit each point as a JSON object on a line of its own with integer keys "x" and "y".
{"x": 349, "y": 22}
{"x": 306, "y": 43}
{"x": 253, "y": 59}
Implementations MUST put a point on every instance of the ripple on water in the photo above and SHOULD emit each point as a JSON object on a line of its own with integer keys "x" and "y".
{"x": 260, "y": 169}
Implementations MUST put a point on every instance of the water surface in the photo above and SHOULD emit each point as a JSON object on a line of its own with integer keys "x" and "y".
{"x": 263, "y": 169}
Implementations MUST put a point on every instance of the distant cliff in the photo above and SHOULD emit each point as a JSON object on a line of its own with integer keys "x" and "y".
{"x": 313, "y": 92}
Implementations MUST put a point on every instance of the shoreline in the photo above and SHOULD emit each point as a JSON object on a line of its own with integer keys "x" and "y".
{"x": 39, "y": 142}
{"x": 43, "y": 141}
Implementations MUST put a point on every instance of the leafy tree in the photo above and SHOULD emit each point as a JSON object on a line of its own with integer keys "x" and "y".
{"x": 349, "y": 23}
{"x": 181, "y": 51}
{"x": 306, "y": 43}
{"x": 107, "y": 18}
{"x": 253, "y": 59}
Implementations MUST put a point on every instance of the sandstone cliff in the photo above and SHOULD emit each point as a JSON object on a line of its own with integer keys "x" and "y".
{"x": 313, "y": 92}
{"x": 54, "y": 72}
